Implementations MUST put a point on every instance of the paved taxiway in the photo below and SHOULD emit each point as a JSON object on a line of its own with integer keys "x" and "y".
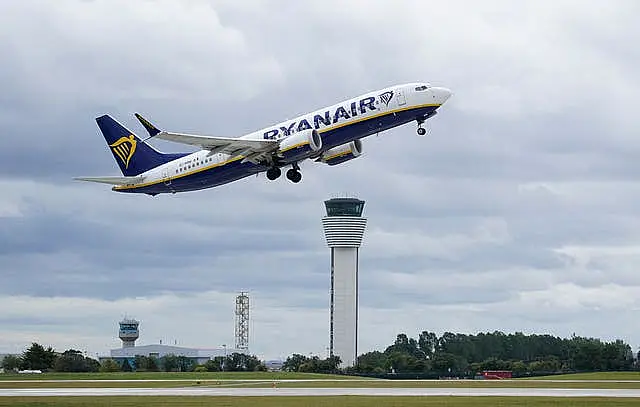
{"x": 248, "y": 392}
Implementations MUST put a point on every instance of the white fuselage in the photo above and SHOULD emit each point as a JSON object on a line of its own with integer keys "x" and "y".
{"x": 338, "y": 124}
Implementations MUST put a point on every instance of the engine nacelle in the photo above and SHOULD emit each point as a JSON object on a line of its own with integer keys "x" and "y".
{"x": 300, "y": 145}
{"x": 342, "y": 153}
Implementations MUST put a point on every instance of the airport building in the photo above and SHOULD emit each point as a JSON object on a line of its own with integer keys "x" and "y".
{"x": 198, "y": 356}
{"x": 129, "y": 332}
{"x": 344, "y": 229}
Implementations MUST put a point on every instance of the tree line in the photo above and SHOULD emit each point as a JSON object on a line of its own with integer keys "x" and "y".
{"x": 37, "y": 357}
{"x": 429, "y": 355}
{"x": 466, "y": 355}
{"x": 235, "y": 362}
{"x": 463, "y": 355}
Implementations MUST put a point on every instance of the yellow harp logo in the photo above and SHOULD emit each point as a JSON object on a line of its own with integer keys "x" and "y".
{"x": 124, "y": 149}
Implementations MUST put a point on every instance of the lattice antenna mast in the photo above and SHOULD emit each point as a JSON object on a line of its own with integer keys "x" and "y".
{"x": 242, "y": 321}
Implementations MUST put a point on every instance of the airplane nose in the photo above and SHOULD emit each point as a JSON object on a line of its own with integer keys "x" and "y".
{"x": 441, "y": 95}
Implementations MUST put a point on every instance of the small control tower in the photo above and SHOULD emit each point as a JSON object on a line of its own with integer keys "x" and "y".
{"x": 344, "y": 229}
{"x": 129, "y": 332}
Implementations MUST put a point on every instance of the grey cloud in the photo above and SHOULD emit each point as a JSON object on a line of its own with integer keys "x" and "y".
{"x": 535, "y": 152}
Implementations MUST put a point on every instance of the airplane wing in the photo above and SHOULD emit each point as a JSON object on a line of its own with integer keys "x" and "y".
{"x": 219, "y": 144}
{"x": 113, "y": 180}
{"x": 250, "y": 148}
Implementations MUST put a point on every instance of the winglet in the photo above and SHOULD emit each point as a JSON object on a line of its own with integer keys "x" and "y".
{"x": 151, "y": 129}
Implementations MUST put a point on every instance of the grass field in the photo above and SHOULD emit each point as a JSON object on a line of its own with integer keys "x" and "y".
{"x": 188, "y": 376}
{"x": 172, "y": 376}
{"x": 465, "y": 384}
{"x": 348, "y": 401}
{"x": 591, "y": 376}
{"x": 610, "y": 380}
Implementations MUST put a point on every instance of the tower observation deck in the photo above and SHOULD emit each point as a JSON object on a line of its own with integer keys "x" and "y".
{"x": 344, "y": 229}
{"x": 129, "y": 332}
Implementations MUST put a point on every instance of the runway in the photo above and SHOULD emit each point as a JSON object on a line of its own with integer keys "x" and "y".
{"x": 320, "y": 392}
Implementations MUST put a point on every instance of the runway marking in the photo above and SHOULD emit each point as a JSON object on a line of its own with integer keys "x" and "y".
{"x": 320, "y": 392}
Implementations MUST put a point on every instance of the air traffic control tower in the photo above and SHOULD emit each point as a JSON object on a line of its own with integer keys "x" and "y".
{"x": 344, "y": 229}
{"x": 128, "y": 332}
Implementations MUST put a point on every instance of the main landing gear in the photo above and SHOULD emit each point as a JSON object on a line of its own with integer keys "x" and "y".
{"x": 273, "y": 173}
{"x": 293, "y": 174}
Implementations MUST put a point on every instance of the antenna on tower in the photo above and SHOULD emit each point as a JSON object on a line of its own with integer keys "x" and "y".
{"x": 242, "y": 321}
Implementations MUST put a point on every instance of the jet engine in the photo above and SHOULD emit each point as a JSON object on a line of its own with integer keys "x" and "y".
{"x": 342, "y": 153}
{"x": 299, "y": 146}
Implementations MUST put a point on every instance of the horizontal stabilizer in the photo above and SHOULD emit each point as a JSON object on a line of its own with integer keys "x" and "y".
{"x": 113, "y": 180}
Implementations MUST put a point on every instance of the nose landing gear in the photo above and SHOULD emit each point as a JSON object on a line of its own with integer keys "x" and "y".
{"x": 421, "y": 130}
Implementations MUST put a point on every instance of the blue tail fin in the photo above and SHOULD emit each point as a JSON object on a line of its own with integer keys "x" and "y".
{"x": 132, "y": 155}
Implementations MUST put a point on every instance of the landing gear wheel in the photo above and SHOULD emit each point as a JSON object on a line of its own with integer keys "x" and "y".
{"x": 273, "y": 173}
{"x": 294, "y": 176}
{"x": 421, "y": 131}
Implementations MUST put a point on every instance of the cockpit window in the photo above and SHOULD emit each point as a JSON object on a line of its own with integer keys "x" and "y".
{"x": 421, "y": 88}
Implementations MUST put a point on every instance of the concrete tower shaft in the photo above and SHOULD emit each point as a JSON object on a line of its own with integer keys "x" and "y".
{"x": 344, "y": 230}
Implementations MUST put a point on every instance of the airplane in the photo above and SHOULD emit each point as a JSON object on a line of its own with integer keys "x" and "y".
{"x": 331, "y": 136}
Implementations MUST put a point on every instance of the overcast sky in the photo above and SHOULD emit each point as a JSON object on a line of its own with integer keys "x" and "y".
{"x": 518, "y": 213}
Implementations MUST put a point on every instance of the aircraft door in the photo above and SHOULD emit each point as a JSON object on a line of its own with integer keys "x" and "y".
{"x": 165, "y": 176}
{"x": 400, "y": 98}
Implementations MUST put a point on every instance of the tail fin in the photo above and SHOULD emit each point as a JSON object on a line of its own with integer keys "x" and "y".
{"x": 132, "y": 155}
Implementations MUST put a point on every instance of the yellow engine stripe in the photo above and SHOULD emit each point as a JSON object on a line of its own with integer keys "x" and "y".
{"x": 337, "y": 155}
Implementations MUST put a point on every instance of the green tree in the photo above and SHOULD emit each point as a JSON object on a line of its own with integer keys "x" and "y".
{"x": 373, "y": 362}
{"x": 38, "y": 358}
{"x": 109, "y": 365}
{"x": 444, "y": 362}
{"x": 293, "y": 362}
{"x": 428, "y": 343}
{"x": 11, "y": 363}
{"x": 152, "y": 364}
{"x": 519, "y": 368}
{"x": 71, "y": 361}
{"x": 140, "y": 363}
{"x": 184, "y": 364}
{"x": 212, "y": 366}
{"x": 240, "y": 362}
{"x": 169, "y": 362}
